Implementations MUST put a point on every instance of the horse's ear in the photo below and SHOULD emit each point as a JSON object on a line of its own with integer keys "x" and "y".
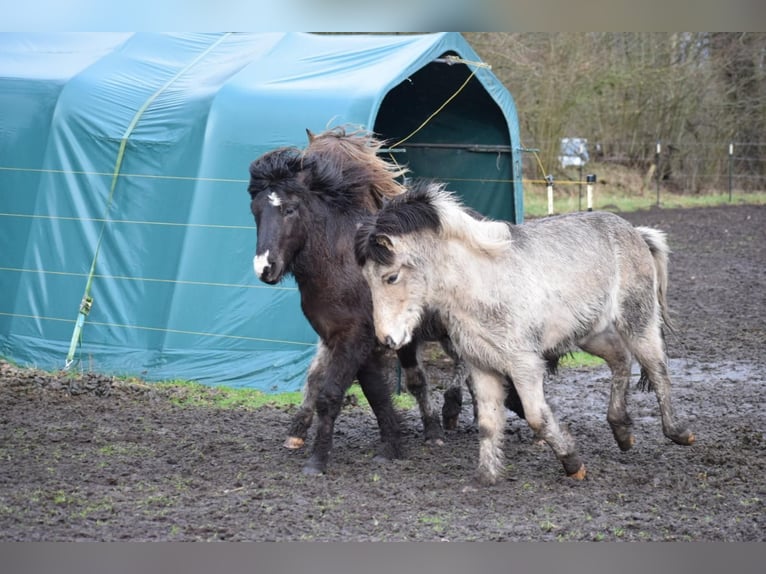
{"x": 310, "y": 135}
{"x": 384, "y": 241}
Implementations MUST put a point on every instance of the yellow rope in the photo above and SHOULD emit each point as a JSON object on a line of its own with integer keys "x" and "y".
{"x": 87, "y": 300}
{"x": 439, "y": 109}
{"x": 123, "y": 175}
{"x": 126, "y": 221}
{"x": 149, "y": 279}
{"x": 176, "y": 331}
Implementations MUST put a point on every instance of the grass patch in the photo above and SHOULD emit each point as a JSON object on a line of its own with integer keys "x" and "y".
{"x": 191, "y": 394}
{"x": 536, "y": 201}
{"x": 622, "y": 189}
{"x": 580, "y": 359}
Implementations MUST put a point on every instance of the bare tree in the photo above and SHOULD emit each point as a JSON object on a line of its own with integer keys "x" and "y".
{"x": 694, "y": 92}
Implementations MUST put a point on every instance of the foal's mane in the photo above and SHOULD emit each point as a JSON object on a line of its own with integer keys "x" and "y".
{"x": 456, "y": 221}
{"x": 347, "y": 164}
{"x": 428, "y": 206}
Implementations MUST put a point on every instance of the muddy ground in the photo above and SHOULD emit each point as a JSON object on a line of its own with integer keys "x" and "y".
{"x": 99, "y": 459}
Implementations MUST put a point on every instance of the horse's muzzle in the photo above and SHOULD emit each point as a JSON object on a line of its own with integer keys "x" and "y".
{"x": 389, "y": 342}
{"x": 266, "y": 271}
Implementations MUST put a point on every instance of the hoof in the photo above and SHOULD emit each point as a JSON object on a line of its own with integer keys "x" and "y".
{"x": 484, "y": 479}
{"x": 311, "y": 470}
{"x": 580, "y": 474}
{"x": 438, "y": 442}
{"x": 626, "y": 445}
{"x": 450, "y": 423}
{"x": 293, "y": 442}
{"x": 685, "y": 438}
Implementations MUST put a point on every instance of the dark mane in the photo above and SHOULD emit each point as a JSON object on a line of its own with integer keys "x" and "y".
{"x": 341, "y": 169}
{"x": 407, "y": 213}
{"x": 273, "y": 168}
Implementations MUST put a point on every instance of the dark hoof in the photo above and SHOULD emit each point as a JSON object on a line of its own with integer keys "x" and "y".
{"x": 387, "y": 452}
{"x": 625, "y": 441}
{"x": 313, "y": 468}
{"x": 433, "y": 433}
{"x": 684, "y": 438}
{"x": 450, "y": 423}
{"x": 626, "y": 444}
{"x": 579, "y": 474}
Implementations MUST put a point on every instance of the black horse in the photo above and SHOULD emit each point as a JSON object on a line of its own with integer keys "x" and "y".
{"x": 307, "y": 204}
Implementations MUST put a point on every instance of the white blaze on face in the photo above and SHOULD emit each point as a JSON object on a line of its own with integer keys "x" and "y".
{"x": 274, "y": 199}
{"x": 260, "y": 262}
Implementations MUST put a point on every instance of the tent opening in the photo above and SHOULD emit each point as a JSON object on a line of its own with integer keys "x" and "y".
{"x": 466, "y": 144}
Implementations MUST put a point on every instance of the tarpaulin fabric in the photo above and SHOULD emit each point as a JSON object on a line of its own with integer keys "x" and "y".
{"x": 131, "y": 150}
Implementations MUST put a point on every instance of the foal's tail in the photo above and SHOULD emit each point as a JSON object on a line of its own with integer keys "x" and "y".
{"x": 658, "y": 246}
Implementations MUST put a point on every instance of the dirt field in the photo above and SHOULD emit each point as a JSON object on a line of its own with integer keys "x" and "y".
{"x": 97, "y": 459}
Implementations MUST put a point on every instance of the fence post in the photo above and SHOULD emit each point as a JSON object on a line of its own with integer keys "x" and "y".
{"x": 657, "y": 167}
{"x": 731, "y": 158}
{"x": 590, "y": 180}
{"x": 549, "y": 182}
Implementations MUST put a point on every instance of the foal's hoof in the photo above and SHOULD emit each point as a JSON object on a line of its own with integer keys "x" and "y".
{"x": 484, "y": 478}
{"x": 294, "y": 442}
{"x": 626, "y": 443}
{"x": 580, "y": 474}
{"x": 685, "y": 438}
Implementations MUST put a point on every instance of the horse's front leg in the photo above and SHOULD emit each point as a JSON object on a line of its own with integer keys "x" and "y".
{"x": 332, "y": 387}
{"x": 301, "y": 421}
{"x": 415, "y": 380}
{"x": 490, "y": 398}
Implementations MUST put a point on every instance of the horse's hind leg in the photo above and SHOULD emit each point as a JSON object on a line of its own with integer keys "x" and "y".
{"x": 453, "y": 396}
{"x": 609, "y": 346}
{"x": 415, "y": 380}
{"x": 648, "y": 348}
{"x": 378, "y": 394}
{"x": 301, "y": 421}
{"x": 527, "y": 371}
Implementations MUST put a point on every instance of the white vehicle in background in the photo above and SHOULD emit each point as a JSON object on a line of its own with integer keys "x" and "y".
{"x": 573, "y": 152}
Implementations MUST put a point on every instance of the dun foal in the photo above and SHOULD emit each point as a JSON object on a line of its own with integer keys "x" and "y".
{"x": 512, "y": 295}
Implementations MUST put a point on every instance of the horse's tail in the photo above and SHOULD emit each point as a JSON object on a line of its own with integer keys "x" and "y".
{"x": 658, "y": 246}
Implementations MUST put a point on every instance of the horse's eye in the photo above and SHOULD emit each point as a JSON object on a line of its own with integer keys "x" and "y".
{"x": 393, "y": 278}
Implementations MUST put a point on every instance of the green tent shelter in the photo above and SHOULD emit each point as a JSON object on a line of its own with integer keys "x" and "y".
{"x": 123, "y": 176}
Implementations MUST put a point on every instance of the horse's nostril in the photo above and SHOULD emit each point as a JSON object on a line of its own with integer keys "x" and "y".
{"x": 261, "y": 264}
{"x": 389, "y": 342}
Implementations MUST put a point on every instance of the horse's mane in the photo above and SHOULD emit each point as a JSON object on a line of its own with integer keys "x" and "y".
{"x": 456, "y": 221}
{"x": 273, "y": 167}
{"x": 348, "y": 163}
{"x": 428, "y": 205}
